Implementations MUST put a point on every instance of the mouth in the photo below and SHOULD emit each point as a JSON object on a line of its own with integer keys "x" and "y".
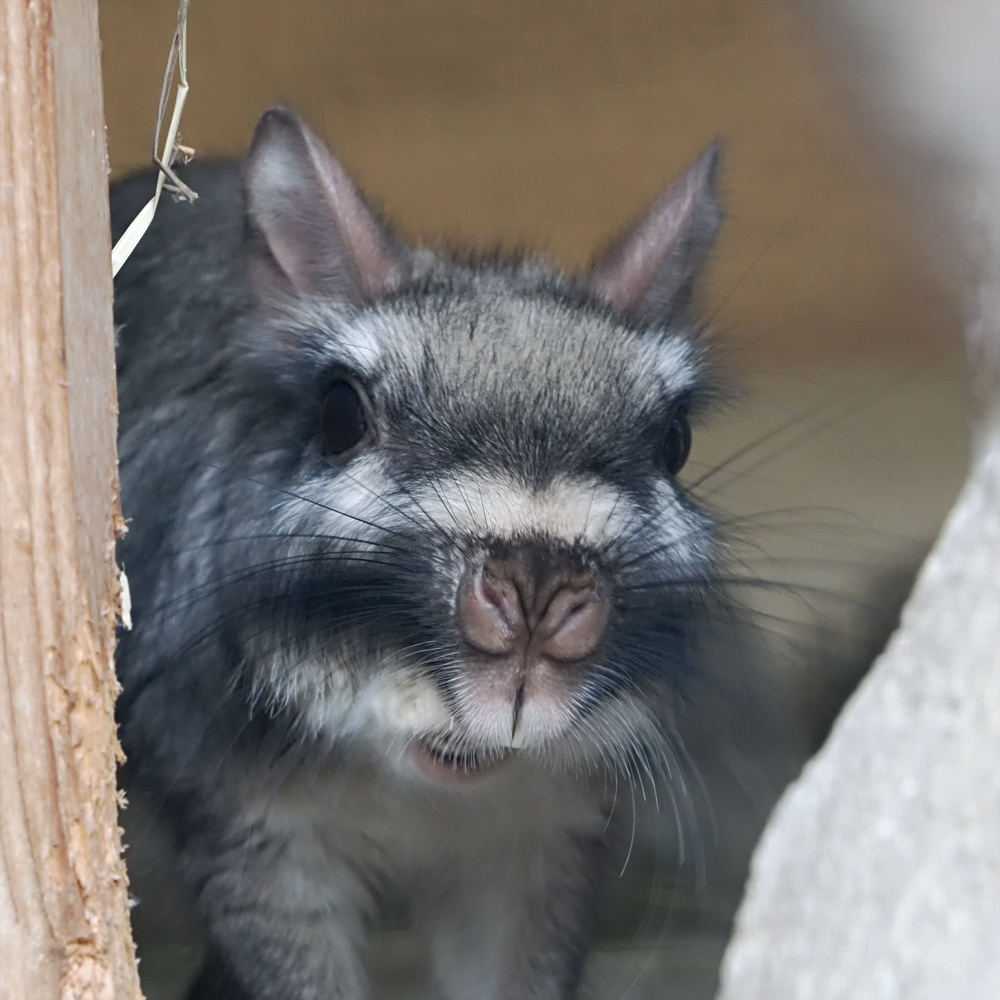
{"x": 449, "y": 766}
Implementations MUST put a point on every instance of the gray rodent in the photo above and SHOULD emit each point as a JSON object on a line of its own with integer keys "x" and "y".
{"x": 414, "y": 581}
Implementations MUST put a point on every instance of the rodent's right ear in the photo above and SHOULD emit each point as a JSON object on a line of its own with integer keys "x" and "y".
{"x": 309, "y": 230}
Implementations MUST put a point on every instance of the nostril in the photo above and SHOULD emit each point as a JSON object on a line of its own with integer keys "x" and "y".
{"x": 524, "y": 603}
{"x": 573, "y": 624}
{"x": 489, "y": 611}
{"x": 501, "y": 593}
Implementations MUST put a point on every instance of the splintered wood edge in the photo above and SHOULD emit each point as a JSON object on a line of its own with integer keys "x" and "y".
{"x": 64, "y": 924}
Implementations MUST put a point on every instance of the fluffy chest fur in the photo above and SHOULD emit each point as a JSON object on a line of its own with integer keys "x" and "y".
{"x": 413, "y": 832}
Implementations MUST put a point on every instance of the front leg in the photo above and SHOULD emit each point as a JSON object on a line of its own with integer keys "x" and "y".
{"x": 285, "y": 921}
{"x": 515, "y": 921}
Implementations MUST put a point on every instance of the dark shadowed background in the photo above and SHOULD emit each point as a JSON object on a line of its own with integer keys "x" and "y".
{"x": 550, "y": 125}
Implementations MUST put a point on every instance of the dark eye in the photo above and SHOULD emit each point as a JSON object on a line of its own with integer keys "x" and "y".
{"x": 676, "y": 445}
{"x": 345, "y": 423}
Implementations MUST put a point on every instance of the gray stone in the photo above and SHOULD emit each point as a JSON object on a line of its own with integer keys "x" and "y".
{"x": 879, "y": 875}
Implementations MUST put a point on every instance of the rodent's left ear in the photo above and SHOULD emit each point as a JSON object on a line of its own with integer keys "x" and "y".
{"x": 309, "y": 227}
{"x": 651, "y": 271}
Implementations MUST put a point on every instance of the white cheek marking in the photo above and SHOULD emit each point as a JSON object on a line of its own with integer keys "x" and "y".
{"x": 352, "y": 502}
{"x": 396, "y": 703}
{"x": 685, "y": 531}
{"x": 496, "y": 505}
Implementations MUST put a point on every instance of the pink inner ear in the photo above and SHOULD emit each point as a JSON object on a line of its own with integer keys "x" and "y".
{"x": 375, "y": 262}
{"x": 628, "y": 273}
{"x": 659, "y": 259}
{"x": 315, "y": 224}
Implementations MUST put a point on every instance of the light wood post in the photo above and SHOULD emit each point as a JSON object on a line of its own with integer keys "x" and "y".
{"x": 64, "y": 927}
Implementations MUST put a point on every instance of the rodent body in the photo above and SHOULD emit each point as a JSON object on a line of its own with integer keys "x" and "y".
{"x": 414, "y": 582}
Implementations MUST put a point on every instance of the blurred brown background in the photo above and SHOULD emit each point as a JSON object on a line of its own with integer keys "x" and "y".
{"x": 551, "y": 125}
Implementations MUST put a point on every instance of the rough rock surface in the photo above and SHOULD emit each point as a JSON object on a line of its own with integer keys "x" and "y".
{"x": 879, "y": 876}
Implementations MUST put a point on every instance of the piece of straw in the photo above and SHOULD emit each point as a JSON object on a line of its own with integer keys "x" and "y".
{"x": 172, "y": 150}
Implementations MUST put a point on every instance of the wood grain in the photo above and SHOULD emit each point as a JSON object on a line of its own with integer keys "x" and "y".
{"x": 64, "y": 929}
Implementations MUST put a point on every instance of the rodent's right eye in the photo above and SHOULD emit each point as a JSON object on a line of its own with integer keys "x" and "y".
{"x": 346, "y": 423}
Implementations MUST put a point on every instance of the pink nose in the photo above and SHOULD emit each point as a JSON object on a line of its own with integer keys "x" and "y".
{"x": 524, "y": 605}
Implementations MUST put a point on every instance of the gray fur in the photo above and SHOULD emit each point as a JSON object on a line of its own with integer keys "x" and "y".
{"x": 295, "y": 634}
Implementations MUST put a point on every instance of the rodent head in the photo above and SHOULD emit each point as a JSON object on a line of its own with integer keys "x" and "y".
{"x": 485, "y": 547}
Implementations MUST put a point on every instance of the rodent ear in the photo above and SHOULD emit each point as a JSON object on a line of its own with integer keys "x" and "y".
{"x": 652, "y": 270}
{"x": 309, "y": 227}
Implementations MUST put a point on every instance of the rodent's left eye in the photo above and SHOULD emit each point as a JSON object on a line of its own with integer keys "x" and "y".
{"x": 676, "y": 445}
{"x": 345, "y": 422}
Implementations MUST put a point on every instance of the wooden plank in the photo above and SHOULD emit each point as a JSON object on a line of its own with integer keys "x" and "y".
{"x": 64, "y": 928}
